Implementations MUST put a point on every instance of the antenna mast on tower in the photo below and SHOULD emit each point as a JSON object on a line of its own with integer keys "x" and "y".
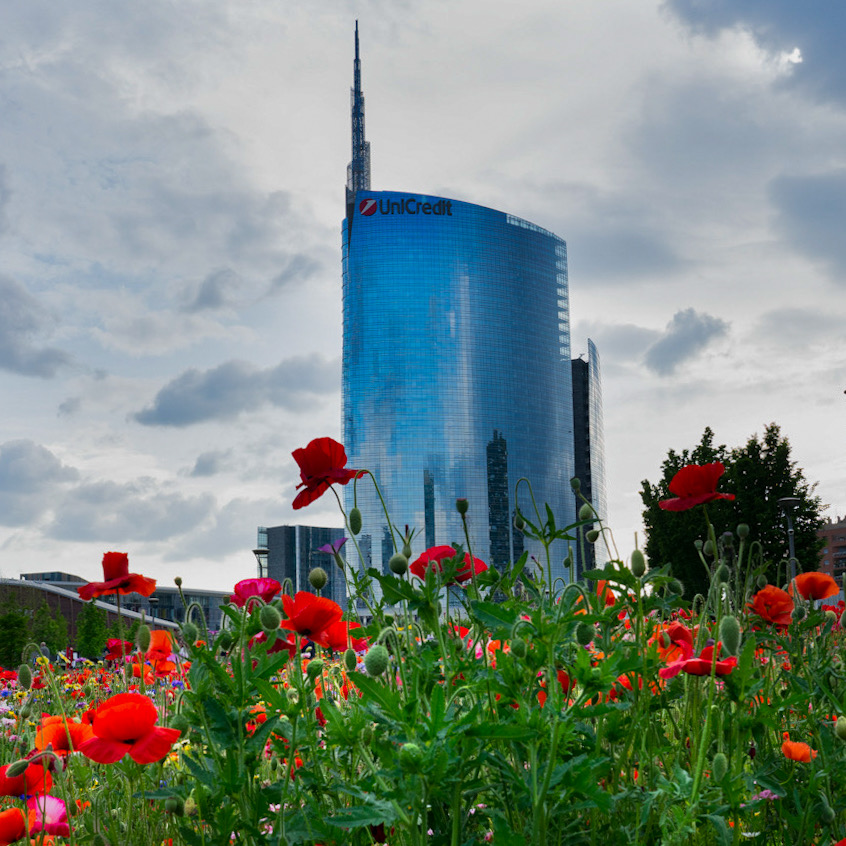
{"x": 358, "y": 170}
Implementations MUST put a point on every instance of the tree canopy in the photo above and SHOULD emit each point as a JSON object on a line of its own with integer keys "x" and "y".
{"x": 759, "y": 473}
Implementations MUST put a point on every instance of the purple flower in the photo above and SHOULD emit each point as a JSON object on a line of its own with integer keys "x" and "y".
{"x": 332, "y": 548}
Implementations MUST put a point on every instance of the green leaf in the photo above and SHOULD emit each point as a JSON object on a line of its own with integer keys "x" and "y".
{"x": 358, "y": 816}
{"x": 501, "y": 731}
{"x": 375, "y": 691}
{"x": 493, "y": 616}
{"x": 723, "y": 834}
{"x": 396, "y": 590}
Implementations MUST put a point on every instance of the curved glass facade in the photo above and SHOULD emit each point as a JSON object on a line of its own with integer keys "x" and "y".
{"x": 456, "y": 370}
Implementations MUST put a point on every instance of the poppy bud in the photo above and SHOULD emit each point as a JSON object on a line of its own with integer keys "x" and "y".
{"x": 178, "y": 581}
{"x": 638, "y": 563}
{"x": 174, "y": 805}
{"x": 676, "y": 586}
{"x": 190, "y": 632}
{"x": 698, "y": 544}
{"x": 840, "y": 728}
{"x": 406, "y": 550}
{"x": 664, "y": 638}
{"x": 722, "y": 574}
{"x": 592, "y": 535}
{"x": 575, "y": 484}
{"x": 719, "y": 767}
{"x": 410, "y": 757}
{"x": 586, "y": 512}
{"x": 708, "y": 548}
{"x": 461, "y": 506}
{"x": 376, "y": 660}
{"x": 350, "y": 660}
{"x": 398, "y": 563}
{"x": 142, "y": 637}
{"x": 831, "y": 616}
{"x": 518, "y": 647}
{"x": 314, "y": 668}
{"x": 743, "y": 531}
{"x": 25, "y": 676}
{"x": 730, "y": 634}
{"x": 18, "y": 768}
{"x": 761, "y": 582}
{"x": 367, "y": 734}
{"x": 799, "y": 613}
{"x": 825, "y": 811}
{"x": 224, "y": 639}
{"x": 584, "y": 634}
{"x": 519, "y": 522}
{"x": 180, "y": 723}
{"x": 270, "y": 618}
{"x": 317, "y": 578}
{"x": 355, "y": 521}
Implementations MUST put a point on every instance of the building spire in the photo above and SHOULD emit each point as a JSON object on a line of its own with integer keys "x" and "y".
{"x": 358, "y": 170}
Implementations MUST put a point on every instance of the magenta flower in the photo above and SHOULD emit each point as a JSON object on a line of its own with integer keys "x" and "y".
{"x": 51, "y": 815}
{"x": 246, "y": 589}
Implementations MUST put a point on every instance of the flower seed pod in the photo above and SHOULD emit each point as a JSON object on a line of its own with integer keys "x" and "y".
{"x": 730, "y": 634}
{"x": 518, "y": 647}
{"x": 824, "y": 811}
{"x": 376, "y": 660}
{"x": 709, "y": 549}
{"x": 406, "y": 550}
{"x": 461, "y": 506}
{"x": 143, "y": 637}
{"x": 355, "y": 521}
{"x": 270, "y": 618}
{"x": 314, "y": 668}
{"x": 174, "y": 805}
{"x": 519, "y": 522}
{"x": 585, "y": 634}
{"x": 638, "y": 564}
{"x": 840, "y": 728}
{"x": 592, "y": 536}
{"x": 743, "y": 531}
{"x": 350, "y": 660}
{"x": 586, "y": 512}
{"x": 25, "y": 676}
{"x": 719, "y": 767}
{"x": 722, "y": 574}
{"x": 190, "y": 632}
{"x": 317, "y": 578}
{"x": 761, "y": 582}
{"x": 398, "y": 564}
{"x": 575, "y": 484}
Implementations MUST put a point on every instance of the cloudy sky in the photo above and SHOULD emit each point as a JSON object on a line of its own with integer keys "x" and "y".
{"x": 171, "y": 192}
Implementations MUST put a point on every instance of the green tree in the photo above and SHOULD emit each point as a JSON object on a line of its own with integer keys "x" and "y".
{"x": 49, "y": 628}
{"x": 91, "y": 631}
{"x": 14, "y": 635}
{"x": 759, "y": 473}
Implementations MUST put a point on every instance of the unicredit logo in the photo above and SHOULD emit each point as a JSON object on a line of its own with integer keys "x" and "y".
{"x": 411, "y": 205}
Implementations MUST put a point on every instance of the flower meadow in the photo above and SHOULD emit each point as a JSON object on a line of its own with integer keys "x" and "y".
{"x": 470, "y": 705}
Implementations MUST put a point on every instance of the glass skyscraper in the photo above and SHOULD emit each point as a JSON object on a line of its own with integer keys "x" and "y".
{"x": 456, "y": 365}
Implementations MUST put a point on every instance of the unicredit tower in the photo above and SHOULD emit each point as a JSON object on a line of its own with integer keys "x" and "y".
{"x": 456, "y": 365}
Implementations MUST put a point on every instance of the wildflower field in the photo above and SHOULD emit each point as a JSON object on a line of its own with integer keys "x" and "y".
{"x": 475, "y": 705}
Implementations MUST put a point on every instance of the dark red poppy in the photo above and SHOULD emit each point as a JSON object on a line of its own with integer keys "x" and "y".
{"x": 126, "y": 723}
{"x": 434, "y": 558}
{"x": 694, "y": 485}
{"x": 117, "y": 648}
{"x": 34, "y": 779}
{"x": 816, "y": 585}
{"x": 773, "y": 605}
{"x": 246, "y": 589}
{"x": 310, "y": 615}
{"x": 117, "y": 579}
{"x": 322, "y": 463}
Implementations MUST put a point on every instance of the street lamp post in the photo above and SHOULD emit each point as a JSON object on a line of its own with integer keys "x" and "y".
{"x": 788, "y": 504}
{"x": 261, "y": 558}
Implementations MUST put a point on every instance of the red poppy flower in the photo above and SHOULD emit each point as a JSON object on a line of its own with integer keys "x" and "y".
{"x": 246, "y": 589}
{"x": 63, "y": 738}
{"x": 434, "y": 558}
{"x": 291, "y": 643}
{"x": 701, "y": 666}
{"x": 12, "y": 826}
{"x": 794, "y": 750}
{"x": 773, "y": 605}
{"x": 310, "y": 615}
{"x": 816, "y": 585}
{"x": 322, "y": 463}
{"x": 34, "y": 779}
{"x": 117, "y": 579}
{"x": 126, "y": 723}
{"x": 336, "y": 636}
{"x": 161, "y": 645}
{"x": 693, "y": 485}
{"x": 674, "y": 642}
{"x": 117, "y": 649}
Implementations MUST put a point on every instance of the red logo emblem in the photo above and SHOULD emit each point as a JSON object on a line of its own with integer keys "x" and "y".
{"x": 367, "y": 207}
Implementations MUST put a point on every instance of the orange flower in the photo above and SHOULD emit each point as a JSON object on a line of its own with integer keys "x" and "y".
{"x": 815, "y": 585}
{"x": 773, "y": 605}
{"x": 64, "y": 739}
{"x": 796, "y": 751}
{"x": 12, "y": 826}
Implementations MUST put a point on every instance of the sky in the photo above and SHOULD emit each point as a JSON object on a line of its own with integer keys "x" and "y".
{"x": 171, "y": 194}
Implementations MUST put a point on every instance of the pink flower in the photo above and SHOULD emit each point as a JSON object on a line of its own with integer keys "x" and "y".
{"x": 265, "y": 588}
{"x": 51, "y": 815}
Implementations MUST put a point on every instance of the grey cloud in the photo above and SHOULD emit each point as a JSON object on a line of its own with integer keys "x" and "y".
{"x": 69, "y": 407}
{"x": 300, "y": 268}
{"x": 30, "y": 477}
{"x": 811, "y": 213}
{"x": 618, "y": 343}
{"x": 136, "y": 511}
{"x": 226, "y": 391}
{"x": 216, "y": 290}
{"x": 687, "y": 334}
{"x": 779, "y": 26}
{"x": 21, "y": 318}
{"x": 620, "y": 252}
{"x": 209, "y": 463}
{"x": 800, "y": 327}
{"x": 5, "y": 194}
